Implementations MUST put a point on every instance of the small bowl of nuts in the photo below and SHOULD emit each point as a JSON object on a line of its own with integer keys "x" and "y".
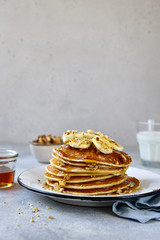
{"x": 42, "y": 147}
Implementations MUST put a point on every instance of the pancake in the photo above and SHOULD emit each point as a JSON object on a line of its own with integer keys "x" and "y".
{"x": 90, "y": 185}
{"x": 130, "y": 185}
{"x": 85, "y": 163}
{"x": 56, "y": 172}
{"x": 90, "y": 170}
{"x": 92, "y": 156}
{"x": 76, "y": 179}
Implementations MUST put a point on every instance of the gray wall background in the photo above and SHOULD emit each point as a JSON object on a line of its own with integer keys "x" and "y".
{"x": 78, "y": 64}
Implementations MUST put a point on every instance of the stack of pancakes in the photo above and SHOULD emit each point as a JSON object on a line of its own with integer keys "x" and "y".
{"x": 81, "y": 170}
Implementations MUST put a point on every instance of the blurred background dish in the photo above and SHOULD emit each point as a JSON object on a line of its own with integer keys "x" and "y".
{"x": 42, "y": 147}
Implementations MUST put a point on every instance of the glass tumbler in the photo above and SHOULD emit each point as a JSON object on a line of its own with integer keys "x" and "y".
{"x": 148, "y": 138}
{"x": 7, "y": 167}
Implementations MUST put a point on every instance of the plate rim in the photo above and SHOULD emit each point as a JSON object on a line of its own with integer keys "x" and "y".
{"x": 82, "y": 197}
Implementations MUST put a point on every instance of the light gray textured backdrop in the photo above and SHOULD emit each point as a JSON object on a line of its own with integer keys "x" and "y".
{"x": 78, "y": 64}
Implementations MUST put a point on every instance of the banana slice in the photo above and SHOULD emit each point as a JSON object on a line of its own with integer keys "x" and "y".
{"x": 115, "y": 145}
{"x": 80, "y": 143}
{"x": 70, "y": 135}
{"x": 90, "y": 134}
{"x": 76, "y": 139}
{"x": 102, "y": 144}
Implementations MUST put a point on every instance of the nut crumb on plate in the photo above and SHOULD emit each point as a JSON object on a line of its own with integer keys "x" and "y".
{"x": 50, "y": 217}
{"x": 48, "y": 207}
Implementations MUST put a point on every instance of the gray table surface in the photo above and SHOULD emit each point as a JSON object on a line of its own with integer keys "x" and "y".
{"x": 70, "y": 222}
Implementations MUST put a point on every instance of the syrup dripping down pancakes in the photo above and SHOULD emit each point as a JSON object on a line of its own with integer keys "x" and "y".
{"x": 90, "y": 164}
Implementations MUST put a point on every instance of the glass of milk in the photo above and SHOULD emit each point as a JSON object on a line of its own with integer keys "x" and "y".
{"x": 148, "y": 138}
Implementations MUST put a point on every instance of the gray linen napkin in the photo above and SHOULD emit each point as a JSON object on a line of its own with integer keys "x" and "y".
{"x": 142, "y": 210}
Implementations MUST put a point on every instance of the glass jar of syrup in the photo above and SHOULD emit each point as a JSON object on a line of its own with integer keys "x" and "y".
{"x": 7, "y": 167}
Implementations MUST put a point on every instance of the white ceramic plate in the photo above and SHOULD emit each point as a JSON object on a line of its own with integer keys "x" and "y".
{"x": 32, "y": 180}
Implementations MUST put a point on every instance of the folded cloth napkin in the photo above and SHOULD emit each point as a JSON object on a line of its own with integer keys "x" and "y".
{"x": 142, "y": 209}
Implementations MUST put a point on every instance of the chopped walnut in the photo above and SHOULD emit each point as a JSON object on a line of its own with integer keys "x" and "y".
{"x": 62, "y": 183}
{"x": 56, "y": 187}
{"x": 32, "y": 219}
{"x": 67, "y": 177}
{"x": 50, "y": 217}
{"x": 35, "y": 209}
{"x": 48, "y": 207}
{"x": 61, "y": 189}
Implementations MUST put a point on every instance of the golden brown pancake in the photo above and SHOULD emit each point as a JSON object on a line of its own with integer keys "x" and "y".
{"x": 56, "y": 172}
{"x": 129, "y": 185}
{"x": 88, "y": 169}
{"x": 92, "y": 156}
{"x": 76, "y": 179}
{"x": 93, "y": 184}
